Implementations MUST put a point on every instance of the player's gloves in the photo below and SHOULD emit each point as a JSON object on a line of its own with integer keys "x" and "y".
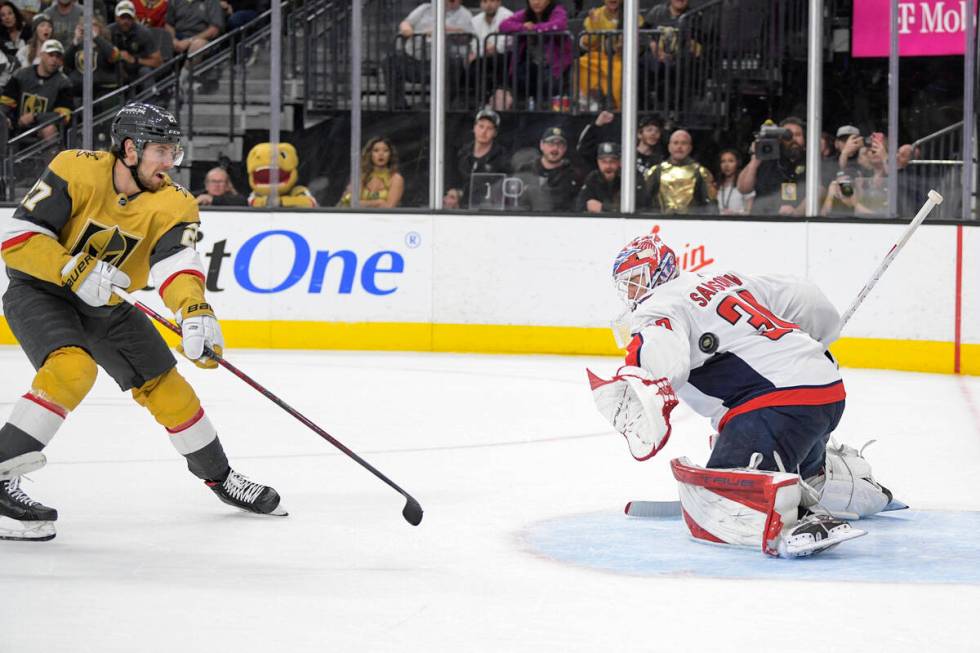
{"x": 91, "y": 279}
{"x": 638, "y": 406}
{"x": 200, "y": 329}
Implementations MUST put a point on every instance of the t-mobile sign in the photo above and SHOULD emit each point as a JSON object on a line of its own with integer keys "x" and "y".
{"x": 926, "y": 28}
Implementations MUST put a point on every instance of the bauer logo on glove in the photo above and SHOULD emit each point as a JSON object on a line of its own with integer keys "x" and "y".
{"x": 638, "y": 406}
{"x": 200, "y": 334}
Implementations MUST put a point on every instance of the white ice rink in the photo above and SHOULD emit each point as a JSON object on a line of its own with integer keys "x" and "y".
{"x": 500, "y": 451}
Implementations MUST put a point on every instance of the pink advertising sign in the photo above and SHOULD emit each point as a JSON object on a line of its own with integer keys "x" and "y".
{"x": 926, "y": 28}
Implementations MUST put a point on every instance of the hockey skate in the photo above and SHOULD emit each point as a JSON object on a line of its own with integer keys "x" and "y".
{"x": 238, "y": 491}
{"x": 23, "y": 518}
{"x": 814, "y": 534}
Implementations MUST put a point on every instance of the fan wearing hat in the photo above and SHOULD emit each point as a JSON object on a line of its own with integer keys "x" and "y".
{"x": 481, "y": 155}
{"x": 600, "y": 192}
{"x": 137, "y": 48}
{"x": 39, "y": 94}
{"x": 848, "y": 144}
{"x": 551, "y": 182}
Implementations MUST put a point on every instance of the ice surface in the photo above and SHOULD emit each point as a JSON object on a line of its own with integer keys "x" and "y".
{"x": 146, "y": 558}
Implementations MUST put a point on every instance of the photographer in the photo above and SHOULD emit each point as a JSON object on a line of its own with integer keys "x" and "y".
{"x": 777, "y": 171}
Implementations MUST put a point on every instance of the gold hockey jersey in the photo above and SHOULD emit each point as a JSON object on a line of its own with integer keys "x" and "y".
{"x": 75, "y": 207}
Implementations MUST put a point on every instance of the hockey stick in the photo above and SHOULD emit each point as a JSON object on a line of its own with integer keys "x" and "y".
{"x": 935, "y": 199}
{"x": 412, "y": 512}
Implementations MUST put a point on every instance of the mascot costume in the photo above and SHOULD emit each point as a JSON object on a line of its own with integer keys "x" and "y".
{"x": 258, "y": 166}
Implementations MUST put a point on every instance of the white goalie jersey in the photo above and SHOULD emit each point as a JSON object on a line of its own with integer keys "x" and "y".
{"x": 730, "y": 343}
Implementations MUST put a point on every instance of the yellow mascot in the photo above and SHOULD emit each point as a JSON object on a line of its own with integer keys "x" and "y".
{"x": 257, "y": 164}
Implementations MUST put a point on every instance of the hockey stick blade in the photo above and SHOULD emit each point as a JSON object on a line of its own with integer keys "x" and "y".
{"x": 653, "y": 509}
{"x": 412, "y": 512}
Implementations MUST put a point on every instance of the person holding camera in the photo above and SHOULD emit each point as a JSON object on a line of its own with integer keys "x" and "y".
{"x": 777, "y": 171}
{"x": 861, "y": 196}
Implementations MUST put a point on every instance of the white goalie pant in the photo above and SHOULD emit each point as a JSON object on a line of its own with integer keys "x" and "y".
{"x": 744, "y": 507}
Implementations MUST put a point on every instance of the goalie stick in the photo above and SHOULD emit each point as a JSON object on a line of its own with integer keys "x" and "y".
{"x": 412, "y": 512}
{"x": 935, "y": 199}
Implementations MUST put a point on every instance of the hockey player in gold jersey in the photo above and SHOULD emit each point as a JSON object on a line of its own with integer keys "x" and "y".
{"x": 93, "y": 221}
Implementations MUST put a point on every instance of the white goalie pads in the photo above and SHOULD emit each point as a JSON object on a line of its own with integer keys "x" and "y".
{"x": 638, "y": 406}
{"x": 744, "y": 507}
{"x": 846, "y": 487}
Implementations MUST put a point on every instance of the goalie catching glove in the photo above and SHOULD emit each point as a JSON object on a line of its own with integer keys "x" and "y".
{"x": 91, "y": 279}
{"x": 199, "y": 330}
{"x": 638, "y": 406}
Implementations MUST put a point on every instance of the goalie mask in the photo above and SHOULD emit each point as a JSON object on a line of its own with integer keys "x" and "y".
{"x": 645, "y": 263}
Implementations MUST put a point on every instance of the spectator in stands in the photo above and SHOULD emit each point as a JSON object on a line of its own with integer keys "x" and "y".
{"x": 30, "y": 54}
{"x": 137, "y": 48}
{"x": 650, "y": 149}
{"x": 730, "y": 200}
{"x": 482, "y": 155}
{"x": 192, "y": 23}
{"x": 666, "y": 18}
{"x": 540, "y": 68}
{"x": 862, "y": 196}
{"x": 219, "y": 191}
{"x": 382, "y": 186}
{"x": 600, "y": 69}
{"x": 680, "y": 184}
{"x": 600, "y": 192}
{"x": 239, "y": 12}
{"x": 64, "y": 15}
{"x": 104, "y": 54}
{"x": 11, "y": 30}
{"x": 151, "y": 13}
{"x": 550, "y": 182}
{"x": 490, "y": 54}
{"x": 410, "y": 61}
{"x": 848, "y": 145}
{"x": 37, "y": 94}
{"x": 779, "y": 184}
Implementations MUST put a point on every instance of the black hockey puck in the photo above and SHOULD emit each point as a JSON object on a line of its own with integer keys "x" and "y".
{"x": 708, "y": 343}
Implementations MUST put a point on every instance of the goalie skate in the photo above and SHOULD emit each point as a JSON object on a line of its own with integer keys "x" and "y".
{"x": 814, "y": 534}
{"x": 240, "y": 492}
{"x": 23, "y": 518}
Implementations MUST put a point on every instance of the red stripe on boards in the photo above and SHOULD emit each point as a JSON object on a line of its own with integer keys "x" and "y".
{"x": 959, "y": 300}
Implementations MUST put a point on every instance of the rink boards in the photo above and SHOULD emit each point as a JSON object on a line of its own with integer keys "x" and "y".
{"x": 506, "y": 283}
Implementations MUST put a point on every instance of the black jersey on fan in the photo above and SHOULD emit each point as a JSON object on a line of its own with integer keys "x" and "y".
{"x": 29, "y": 92}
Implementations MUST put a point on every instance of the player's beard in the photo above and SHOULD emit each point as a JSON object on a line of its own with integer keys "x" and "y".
{"x": 153, "y": 182}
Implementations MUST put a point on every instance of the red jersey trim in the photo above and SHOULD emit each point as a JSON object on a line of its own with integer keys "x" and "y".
{"x": 189, "y": 423}
{"x": 49, "y": 405}
{"x": 17, "y": 240}
{"x": 163, "y": 286}
{"x": 821, "y": 396}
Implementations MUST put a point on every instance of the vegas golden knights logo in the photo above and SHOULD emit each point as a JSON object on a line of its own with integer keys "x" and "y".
{"x": 108, "y": 244}
{"x": 31, "y": 103}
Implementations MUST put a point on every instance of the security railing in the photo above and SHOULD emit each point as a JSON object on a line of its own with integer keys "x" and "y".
{"x": 937, "y": 163}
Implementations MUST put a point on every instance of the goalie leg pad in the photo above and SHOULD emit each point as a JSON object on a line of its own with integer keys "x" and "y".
{"x": 846, "y": 487}
{"x": 744, "y": 507}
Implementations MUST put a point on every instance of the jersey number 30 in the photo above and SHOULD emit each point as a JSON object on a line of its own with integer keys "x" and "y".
{"x": 742, "y": 304}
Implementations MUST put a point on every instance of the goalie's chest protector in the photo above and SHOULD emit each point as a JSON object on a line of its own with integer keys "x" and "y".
{"x": 743, "y": 356}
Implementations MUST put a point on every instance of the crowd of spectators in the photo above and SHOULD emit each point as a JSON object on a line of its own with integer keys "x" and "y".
{"x": 42, "y": 61}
